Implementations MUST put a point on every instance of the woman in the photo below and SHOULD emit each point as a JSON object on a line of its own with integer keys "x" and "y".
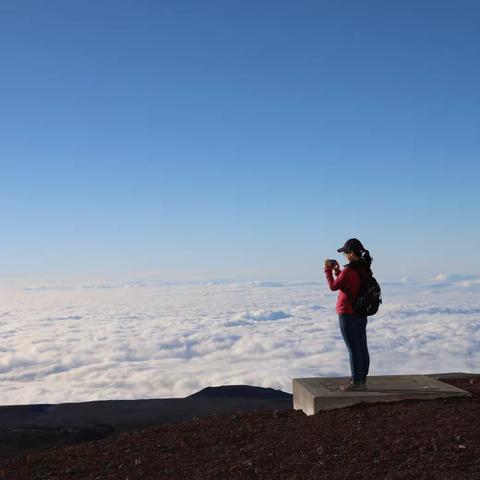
{"x": 352, "y": 325}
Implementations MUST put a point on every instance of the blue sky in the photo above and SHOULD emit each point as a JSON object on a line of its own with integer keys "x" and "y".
{"x": 244, "y": 139}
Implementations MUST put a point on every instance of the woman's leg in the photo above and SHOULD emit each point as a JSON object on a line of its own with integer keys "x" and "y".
{"x": 342, "y": 319}
{"x": 350, "y": 328}
{"x": 364, "y": 349}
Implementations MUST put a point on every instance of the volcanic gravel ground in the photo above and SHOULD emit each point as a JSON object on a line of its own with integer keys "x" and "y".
{"x": 413, "y": 439}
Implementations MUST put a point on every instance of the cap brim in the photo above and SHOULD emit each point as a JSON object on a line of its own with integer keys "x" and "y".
{"x": 341, "y": 250}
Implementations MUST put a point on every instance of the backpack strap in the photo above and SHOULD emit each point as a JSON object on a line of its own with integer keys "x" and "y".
{"x": 361, "y": 274}
{"x": 348, "y": 289}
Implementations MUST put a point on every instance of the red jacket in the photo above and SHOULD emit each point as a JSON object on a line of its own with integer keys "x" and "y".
{"x": 348, "y": 280}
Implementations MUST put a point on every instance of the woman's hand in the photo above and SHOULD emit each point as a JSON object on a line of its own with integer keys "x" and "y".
{"x": 333, "y": 264}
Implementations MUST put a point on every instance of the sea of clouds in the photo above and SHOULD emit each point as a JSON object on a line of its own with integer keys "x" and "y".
{"x": 153, "y": 339}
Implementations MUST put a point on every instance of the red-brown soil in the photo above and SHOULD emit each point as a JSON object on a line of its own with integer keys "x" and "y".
{"x": 413, "y": 439}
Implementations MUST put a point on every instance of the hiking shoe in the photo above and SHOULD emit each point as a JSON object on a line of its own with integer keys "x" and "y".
{"x": 353, "y": 387}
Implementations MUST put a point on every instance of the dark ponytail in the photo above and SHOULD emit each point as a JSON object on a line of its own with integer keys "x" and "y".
{"x": 363, "y": 253}
{"x": 366, "y": 256}
{"x": 355, "y": 245}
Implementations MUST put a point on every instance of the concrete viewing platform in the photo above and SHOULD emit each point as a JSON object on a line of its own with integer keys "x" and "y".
{"x": 316, "y": 394}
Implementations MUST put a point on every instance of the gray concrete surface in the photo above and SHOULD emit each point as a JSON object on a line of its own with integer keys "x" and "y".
{"x": 320, "y": 393}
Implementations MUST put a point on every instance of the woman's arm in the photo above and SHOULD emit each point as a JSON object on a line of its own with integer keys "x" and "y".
{"x": 339, "y": 282}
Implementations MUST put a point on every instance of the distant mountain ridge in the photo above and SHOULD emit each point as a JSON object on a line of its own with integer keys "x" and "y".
{"x": 244, "y": 391}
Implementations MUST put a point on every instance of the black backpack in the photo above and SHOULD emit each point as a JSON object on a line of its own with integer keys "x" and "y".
{"x": 369, "y": 296}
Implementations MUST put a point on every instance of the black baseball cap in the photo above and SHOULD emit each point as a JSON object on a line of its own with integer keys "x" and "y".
{"x": 352, "y": 244}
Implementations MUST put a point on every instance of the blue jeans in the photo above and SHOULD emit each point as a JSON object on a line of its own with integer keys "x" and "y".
{"x": 354, "y": 331}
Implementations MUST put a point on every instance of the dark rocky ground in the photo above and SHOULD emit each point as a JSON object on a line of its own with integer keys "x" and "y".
{"x": 28, "y": 428}
{"x": 412, "y": 439}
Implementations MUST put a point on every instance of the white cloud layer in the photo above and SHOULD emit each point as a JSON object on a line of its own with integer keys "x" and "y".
{"x": 147, "y": 339}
